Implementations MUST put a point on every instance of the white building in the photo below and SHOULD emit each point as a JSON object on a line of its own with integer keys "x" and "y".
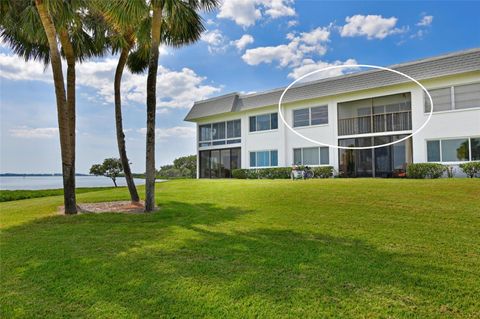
{"x": 360, "y": 109}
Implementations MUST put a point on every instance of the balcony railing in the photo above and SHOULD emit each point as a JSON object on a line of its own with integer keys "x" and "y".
{"x": 384, "y": 122}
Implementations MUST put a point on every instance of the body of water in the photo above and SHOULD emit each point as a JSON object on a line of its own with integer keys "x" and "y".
{"x": 52, "y": 182}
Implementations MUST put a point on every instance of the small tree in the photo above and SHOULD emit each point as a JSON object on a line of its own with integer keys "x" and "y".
{"x": 111, "y": 167}
{"x": 187, "y": 163}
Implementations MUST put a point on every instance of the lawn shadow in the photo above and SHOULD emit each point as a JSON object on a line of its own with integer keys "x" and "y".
{"x": 197, "y": 260}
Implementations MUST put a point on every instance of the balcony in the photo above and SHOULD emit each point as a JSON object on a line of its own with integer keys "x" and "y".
{"x": 375, "y": 123}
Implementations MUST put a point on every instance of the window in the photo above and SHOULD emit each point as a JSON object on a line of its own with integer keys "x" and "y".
{"x": 205, "y": 132}
{"x": 311, "y": 156}
{"x": 475, "y": 148}
{"x": 310, "y": 116}
{"x": 467, "y": 96}
{"x": 433, "y": 151}
{"x": 264, "y": 158}
{"x": 264, "y": 122}
{"x": 442, "y": 100}
{"x": 220, "y": 133}
{"x": 219, "y": 163}
{"x": 301, "y": 117}
{"x": 454, "y": 98}
{"x": 233, "y": 129}
{"x": 453, "y": 150}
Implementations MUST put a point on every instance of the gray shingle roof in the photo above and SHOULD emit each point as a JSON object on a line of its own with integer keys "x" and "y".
{"x": 449, "y": 64}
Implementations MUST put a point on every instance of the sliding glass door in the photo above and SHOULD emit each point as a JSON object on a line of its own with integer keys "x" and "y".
{"x": 219, "y": 163}
{"x": 388, "y": 161}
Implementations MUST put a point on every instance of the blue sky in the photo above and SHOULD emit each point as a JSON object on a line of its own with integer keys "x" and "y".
{"x": 249, "y": 46}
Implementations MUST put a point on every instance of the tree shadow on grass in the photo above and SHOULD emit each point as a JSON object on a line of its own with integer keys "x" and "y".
{"x": 195, "y": 261}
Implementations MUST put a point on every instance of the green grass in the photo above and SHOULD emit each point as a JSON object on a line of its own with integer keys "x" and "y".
{"x": 243, "y": 249}
{"x": 8, "y": 195}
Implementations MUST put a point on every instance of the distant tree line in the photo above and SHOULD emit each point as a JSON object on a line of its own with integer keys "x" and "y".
{"x": 183, "y": 167}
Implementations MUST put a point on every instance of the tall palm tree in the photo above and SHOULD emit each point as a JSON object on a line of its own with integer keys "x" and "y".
{"x": 182, "y": 20}
{"x": 34, "y": 30}
{"x": 174, "y": 23}
{"x": 121, "y": 32}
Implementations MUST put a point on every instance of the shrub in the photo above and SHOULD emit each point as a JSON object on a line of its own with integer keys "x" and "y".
{"x": 239, "y": 173}
{"x": 252, "y": 173}
{"x": 425, "y": 170}
{"x": 263, "y": 173}
{"x": 323, "y": 171}
{"x": 471, "y": 169}
{"x": 275, "y": 173}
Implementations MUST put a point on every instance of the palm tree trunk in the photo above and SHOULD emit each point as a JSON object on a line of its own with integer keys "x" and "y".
{"x": 151, "y": 110}
{"x": 69, "y": 179}
{"x": 64, "y": 118}
{"x": 122, "y": 150}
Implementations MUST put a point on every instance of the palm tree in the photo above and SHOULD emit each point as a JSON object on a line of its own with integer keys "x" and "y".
{"x": 182, "y": 21}
{"x": 33, "y": 30}
{"x": 175, "y": 23}
{"x": 121, "y": 37}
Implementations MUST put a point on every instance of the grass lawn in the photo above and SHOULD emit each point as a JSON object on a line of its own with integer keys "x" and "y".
{"x": 241, "y": 249}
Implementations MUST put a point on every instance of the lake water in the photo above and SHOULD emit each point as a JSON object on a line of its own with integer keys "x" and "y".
{"x": 51, "y": 182}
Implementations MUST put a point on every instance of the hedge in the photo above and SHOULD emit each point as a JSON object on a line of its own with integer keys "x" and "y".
{"x": 323, "y": 171}
{"x": 278, "y": 173}
{"x": 263, "y": 173}
{"x": 472, "y": 169}
{"x": 425, "y": 170}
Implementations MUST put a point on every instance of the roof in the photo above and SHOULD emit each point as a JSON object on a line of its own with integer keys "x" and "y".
{"x": 443, "y": 65}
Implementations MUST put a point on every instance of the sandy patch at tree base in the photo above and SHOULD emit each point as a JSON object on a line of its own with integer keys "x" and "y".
{"x": 109, "y": 207}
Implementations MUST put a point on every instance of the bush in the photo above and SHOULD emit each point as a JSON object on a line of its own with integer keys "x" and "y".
{"x": 262, "y": 173}
{"x": 239, "y": 173}
{"x": 323, "y": 171}
{"x": 425, "y": 170}
{"x": 278, "y": 173}
{"x": 274, "y": 173}
{"x": 471, "y": 169}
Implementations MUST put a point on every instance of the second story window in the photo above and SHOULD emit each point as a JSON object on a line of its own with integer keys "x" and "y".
{"x": 264, "y": 122}
{"x": 456, "y": 97}
{"x": 310, "y": 116}
{"x": 220, "y": 133}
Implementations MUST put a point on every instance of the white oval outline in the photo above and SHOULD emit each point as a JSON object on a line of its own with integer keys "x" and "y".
{"x": 354, "y": 66}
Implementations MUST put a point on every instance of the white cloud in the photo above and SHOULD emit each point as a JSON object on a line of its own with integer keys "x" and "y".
{"x": 284, "y": 54}
{"x": 371, "y": 26}
{"x": 425, "y": 21}
{"x": 175, "y": 89}
{"x": 15, "y": 68}
{"x": 241, "y": 43}
{"x": 308, "y": 65}
{"x": 187, "y": 132}
{"x": 278, "y": 8}
{"x": 420, "y": 34}
{"x": 292, "y": 23}
{"x": 246, "y": 12}
{"x": 291, "y": 54}
{"x": 215, "y": 40}
{"x": 315, "y": 36}
{"x": 41, "y": 132}
{"x": 243, "y": 12}
{"x": 211, "y": 22}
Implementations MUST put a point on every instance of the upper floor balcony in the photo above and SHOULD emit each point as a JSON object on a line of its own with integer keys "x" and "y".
{"x": 381, "y": 114}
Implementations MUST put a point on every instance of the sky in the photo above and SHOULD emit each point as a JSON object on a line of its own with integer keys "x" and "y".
{"x": 248, "y": 46}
